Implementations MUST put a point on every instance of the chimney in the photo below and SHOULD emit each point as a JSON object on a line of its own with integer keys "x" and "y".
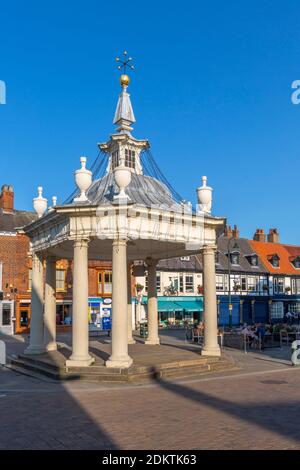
{"x": 273, "y": 235}
{"x": 7, "y": 198}
{"x": 259, "y": 235}
{"x": 235, "y": 232}
{"x": 228, "y": 231}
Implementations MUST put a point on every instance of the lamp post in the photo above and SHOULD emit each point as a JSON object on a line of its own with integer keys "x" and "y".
{"x": 229, "y": 275}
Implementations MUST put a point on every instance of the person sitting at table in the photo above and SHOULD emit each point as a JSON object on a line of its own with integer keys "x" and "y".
{"x": 198, "y": 330}
{"x": 248, "y": 334}
{"x": 260, "y": 333}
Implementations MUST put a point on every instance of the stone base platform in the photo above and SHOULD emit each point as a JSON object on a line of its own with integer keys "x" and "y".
{"x": 150, "y": 362}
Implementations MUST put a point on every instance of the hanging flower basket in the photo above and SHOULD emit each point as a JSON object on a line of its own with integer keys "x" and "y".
{"x": 139, "y": 287}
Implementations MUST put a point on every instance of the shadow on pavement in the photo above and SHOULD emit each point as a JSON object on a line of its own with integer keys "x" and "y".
{"x": 41, "y": 414}
{"x": 278, "y": 417}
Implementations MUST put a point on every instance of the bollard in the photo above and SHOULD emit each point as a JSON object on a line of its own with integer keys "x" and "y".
{"x": 2, "y": 353}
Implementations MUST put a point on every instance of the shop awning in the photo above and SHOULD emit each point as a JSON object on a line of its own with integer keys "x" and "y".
{"x": 169, "y": 306}
{"x": 178, "y": 304}
{"x": 191, "y": 305}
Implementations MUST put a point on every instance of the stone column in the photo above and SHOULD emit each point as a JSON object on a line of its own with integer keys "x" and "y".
{"x": 80, "y": 328}
{"x": 153, "y": 337}
{"x": 129, "y": 305}
{"x": 211, "y": 346}
{"x": 50, "y": 305}
{"x": 36, "y": 344}
{"x": 119, "y": 357}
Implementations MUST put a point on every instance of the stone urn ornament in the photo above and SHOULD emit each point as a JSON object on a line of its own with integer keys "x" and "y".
{"x": 83, "y": 180}
{"x": 54, "y": 201}
{"x": 40, "y": 203}
{"x": 204, "y": 194}
{"x": 122, "y": 176}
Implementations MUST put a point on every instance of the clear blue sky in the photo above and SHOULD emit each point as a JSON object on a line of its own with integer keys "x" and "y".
{"x": 211, "y": 91}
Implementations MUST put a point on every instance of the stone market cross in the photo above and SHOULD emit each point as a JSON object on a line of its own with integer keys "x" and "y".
{"x": 125, "y": 215}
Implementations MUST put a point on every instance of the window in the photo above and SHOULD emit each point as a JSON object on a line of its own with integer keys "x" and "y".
{"x": 277, "y": 310}
{"x": 295, "y": 286}
{"x": 254, "y": 260}
{"x": 105, "y": 282}
{"x": 243, "y": 283}
{"x": 251, "y": 283}
{"x": 108, "y": 283}
{"x": 130, "y": 158}
{"x": 235, "y": 257}
{"x": 6, "y": 314}
{"x": 217, "y": 257}
{"x": 274, "y": 260}
{"x": 180, "y": 283}
{"x": 295, "y": 307}
{"x": 235, "y": 283}
{"x": 115, "y": 159}
{"x": 100, "y": 290}
{"x": 262, "y": 284}
{"x": 219, "y": 282}
{"x": 158, "y": 288}
{"x": 278, "y": 285}
{"x": 185, "y": 258}
{"x": 189, "y": 283}
{"x": 296, "y": 262}
{"x": 60, "y": 280}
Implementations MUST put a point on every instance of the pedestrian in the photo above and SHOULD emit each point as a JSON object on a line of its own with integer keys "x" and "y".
{"x": 289, "y": 317}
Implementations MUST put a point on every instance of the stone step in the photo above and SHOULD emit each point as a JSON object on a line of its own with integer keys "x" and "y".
{"x": 30, "y": 373}
{"x": 60, "y": 374}
{"x": 18, "y": 364}
{"x": 134, "y": 374}
{"x": 37, "y": 360}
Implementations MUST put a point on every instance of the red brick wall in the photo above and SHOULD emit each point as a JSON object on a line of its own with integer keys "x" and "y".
{"x": 14, "y": 254}
{"x": 15, "y": 263}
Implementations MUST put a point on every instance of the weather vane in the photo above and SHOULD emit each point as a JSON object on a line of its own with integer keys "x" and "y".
{"x": 125, "y": 63}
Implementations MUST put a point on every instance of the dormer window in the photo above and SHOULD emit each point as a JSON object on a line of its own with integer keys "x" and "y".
{"x": 254, "y": 260}
{"x": 130, "y": 158}
{"x": 296, "y": 262}
{"x": 274, "y": 260}
{"x": 235, "y": 258}
{"x": 217, "y": 257}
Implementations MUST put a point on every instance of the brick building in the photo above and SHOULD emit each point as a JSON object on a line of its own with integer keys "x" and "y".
{"x": 14, "y": 260}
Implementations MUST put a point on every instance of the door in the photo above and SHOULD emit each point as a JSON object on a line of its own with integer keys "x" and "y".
{"x": 23, "y": 319}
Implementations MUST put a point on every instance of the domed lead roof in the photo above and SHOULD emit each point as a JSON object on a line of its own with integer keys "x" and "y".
{"x": 143, "y": 190}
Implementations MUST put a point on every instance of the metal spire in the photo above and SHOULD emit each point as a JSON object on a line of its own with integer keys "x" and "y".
{"x": 124, "y": 115}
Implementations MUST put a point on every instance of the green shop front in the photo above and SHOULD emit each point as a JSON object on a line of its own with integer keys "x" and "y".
{"x": 176, "y": 310}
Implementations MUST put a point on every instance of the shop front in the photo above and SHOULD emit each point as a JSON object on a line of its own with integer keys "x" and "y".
{"x": 177, "y": 310}
{"x": 100, "y": 312}
{"x": 63, "y": 315}
{"x": 22, "y": 319}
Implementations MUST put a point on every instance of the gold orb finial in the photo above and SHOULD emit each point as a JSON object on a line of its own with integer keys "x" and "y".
{"x": 124, "y": 79}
